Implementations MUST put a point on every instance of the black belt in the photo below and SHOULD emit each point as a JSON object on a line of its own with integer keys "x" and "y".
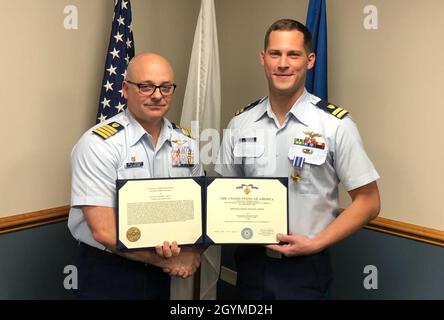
{"x": 262, "y": 251}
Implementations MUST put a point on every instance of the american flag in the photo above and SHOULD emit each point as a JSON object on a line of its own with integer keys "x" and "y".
{"x": 120, "y": 51}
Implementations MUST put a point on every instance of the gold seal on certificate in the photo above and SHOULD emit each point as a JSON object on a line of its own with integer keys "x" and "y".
{"x": 151, "y": 211}
{"x": 133, "y": 234}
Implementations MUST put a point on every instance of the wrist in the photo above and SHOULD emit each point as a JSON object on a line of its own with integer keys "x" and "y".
{"x": 318, "y": 244}
{"x": 154, "y": 259}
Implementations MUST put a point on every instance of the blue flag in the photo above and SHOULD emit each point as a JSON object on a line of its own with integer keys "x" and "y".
{"x": 120, "y": 51}
{"x": 316, "y": 81}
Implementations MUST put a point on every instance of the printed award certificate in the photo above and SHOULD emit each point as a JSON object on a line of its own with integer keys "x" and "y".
{"x": 200, "y": 210}
{"x": 244, "y": 210}
{"x": 152, "y": 211}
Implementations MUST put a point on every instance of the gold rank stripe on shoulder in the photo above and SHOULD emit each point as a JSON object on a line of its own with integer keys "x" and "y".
{"x": 108, "y": 130}
{"x": 185, "y": 131}
{"x": 251, "y": 105}
{"x": 188, "y": 132}
{"x": 338, "y": 112}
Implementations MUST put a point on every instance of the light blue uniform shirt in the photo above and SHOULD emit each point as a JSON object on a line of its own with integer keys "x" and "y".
{"x": 256, "y": 145}
{"x": 129, "y": 154}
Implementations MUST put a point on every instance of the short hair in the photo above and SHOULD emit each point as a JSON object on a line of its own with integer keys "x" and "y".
{"x": 288, "y": 25}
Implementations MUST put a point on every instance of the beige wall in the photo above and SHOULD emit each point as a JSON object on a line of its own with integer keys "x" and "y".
{"x": 49, "y": 87}
{"x": 51, "y": 84}
{"x": 389, "y": 79}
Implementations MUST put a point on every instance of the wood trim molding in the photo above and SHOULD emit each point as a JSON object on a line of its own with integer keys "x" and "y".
{"x": 33, "y": 219}
{"x": 407, "y": 230}
{"x": 54, "y": 215}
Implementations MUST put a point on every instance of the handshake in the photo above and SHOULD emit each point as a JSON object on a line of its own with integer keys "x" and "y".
{"x": 179, "y": 262}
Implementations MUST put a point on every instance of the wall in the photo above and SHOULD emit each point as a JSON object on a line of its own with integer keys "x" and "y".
{"x": 391, "y": 79}
{"x": 406, "y": 269}
{"x": 33, "y": 260}
{"x": 51, "y": 89}
{"x": 32, "y": 263}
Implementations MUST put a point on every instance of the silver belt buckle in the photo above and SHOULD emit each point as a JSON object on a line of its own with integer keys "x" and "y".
{"x": 273, "y": 254}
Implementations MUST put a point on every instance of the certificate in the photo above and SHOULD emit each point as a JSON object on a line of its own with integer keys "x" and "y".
{"x": 152, "y": 211}
{"x": 200, "y": 210}
{"x": 245, "y": 210}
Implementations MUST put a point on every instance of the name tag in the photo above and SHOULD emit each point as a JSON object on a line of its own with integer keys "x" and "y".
{"x": 134, "y": 164}
{"x": 250, "y": 139}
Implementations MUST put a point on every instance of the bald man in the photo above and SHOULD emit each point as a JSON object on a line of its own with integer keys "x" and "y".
{"x": 135, "y": 144}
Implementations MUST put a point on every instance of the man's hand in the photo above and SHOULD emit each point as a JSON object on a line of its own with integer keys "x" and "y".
{"x": 167, "y": 250}
{"x": 365, "y": 206}
{"x": 184, "y": 264}
{"x": 296, "y": 245}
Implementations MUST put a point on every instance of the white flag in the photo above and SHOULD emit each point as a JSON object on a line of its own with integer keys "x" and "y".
{"x": 202, "y": 103}
{"x": 202, "y": 95}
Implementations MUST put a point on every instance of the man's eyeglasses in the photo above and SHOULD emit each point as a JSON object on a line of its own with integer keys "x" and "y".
{"x": 148, "y": 89}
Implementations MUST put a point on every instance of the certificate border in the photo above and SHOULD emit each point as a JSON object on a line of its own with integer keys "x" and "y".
{"x": 204, "y": 182}
{"x": 209, "y": 180}
{"x": 121, "y": 182}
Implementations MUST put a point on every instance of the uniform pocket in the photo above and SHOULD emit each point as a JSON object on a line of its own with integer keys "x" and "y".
{"x": 180, "y": 171}
{"x": 133, "y": 173}
{"x": 248, "y": 149}
{"x": 251, "y": 155}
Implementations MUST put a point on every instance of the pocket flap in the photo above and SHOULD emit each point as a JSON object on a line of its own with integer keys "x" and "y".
{"x": 248, "y": 149}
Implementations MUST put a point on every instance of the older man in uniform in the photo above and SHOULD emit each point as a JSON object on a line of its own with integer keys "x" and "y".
{"x": 137, "y": 143}
{"x": 292, "y": 133}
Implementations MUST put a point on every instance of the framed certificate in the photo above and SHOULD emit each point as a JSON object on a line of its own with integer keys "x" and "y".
{"x": 200, "y": 210}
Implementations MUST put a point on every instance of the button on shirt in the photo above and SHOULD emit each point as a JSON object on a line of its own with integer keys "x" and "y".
{"x": 256, "y": 145}
{"x": 129, "y": 154}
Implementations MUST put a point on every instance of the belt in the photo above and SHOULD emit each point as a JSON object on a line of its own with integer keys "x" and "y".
{"x": 261, "y": 251}
{"x": 277, "y": 255}
{"x": 273, "y": 254}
